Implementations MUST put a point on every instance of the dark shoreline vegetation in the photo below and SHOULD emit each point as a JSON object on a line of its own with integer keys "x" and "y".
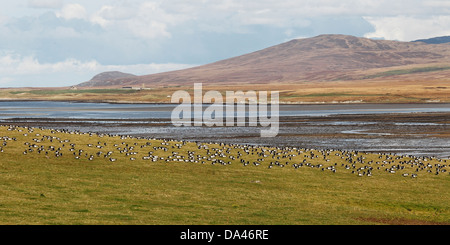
{"x": 56, "y": 176}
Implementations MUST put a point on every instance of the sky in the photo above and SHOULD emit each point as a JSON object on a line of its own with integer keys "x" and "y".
{"x": 51, "y": 43}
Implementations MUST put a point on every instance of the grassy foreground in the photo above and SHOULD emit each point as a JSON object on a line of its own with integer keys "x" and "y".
{"x": 58, "y": 177}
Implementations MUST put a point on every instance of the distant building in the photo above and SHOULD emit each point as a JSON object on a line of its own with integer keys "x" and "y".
{"x": 136, "y": 88}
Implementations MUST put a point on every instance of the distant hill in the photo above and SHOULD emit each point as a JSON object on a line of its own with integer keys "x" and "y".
{"x": 105, "y": 77}
{"x": 435, "y": 40}
{"x": 316, "y": 59}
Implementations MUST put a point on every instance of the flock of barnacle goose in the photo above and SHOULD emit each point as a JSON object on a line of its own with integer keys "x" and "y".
{"x": 361, "y": 164}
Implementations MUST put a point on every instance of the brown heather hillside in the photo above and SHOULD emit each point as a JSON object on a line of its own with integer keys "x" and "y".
{"x": 106, "y": 77}
{"x": 321, "y": 58}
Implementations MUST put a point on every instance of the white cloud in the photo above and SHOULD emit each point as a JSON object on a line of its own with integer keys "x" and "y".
{"x": 20, "y": 69}
{"x": 72, "y": 11}
{"x": 17, "y": 65}
{"x": 409, "y": 28}
{"x": 109, "y": 12}
{"x": 53, "y": 4}
{"x": 147, "y": 20}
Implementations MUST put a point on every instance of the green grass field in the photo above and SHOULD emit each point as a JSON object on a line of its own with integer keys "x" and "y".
{"x": 46, "y": 179}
